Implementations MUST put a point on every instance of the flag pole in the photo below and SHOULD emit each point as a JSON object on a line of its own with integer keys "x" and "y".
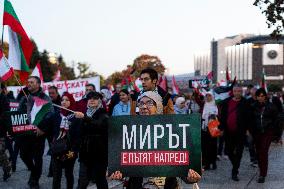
{"x": 2, "y": 46}
{"x": 63, "y": 108}
{"x": 2, "y": 38}
{"x": 7, "y": 63}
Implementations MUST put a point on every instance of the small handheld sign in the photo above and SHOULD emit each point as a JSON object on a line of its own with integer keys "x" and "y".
{"x": 19, "y": 123}
{"x": 151, "y": 146}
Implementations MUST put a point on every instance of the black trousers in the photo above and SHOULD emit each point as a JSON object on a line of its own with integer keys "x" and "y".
{"x": 221, "y": 146}
{"x": 16, "y": 151}
{"x": 89, "y": 171}
{"x": 251, "y": 147}
{"x": 58, "y": 166}
{"x": 31, "y": 152}
{"x": 209, "y": 148}
{"x": 235, "y": 147}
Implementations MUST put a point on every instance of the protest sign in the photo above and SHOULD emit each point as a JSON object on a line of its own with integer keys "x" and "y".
{"x": 13, "y": 104}
{"x": 151, "y": 146}
{"x": 75, "y": 87}
{"x": 19, "y": 123}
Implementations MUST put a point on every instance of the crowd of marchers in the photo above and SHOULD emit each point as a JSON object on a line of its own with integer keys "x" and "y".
{"x": 251, "y": 118}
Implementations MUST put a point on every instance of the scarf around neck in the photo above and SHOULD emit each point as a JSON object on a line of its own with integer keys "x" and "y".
{"x": 90, "y": 110}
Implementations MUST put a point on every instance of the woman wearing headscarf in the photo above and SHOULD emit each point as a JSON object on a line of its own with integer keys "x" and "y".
{"x": 150, "y": 103}
{"x": 123, "y": 107}
{"x": 93, "y": 153}
{"x": 209, "y": 143}
{"x": 64, "y": 127}
{"x": 180, "y": 106}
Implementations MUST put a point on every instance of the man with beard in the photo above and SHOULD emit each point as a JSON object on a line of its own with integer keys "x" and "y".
{"x": 32, "y": 146}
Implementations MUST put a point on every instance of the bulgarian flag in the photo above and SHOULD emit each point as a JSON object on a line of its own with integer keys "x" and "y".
{"x": 5, "y": 69}
{"x": 39, "y": 110}
{"x": 20, "y": 46}
{"x": 37, "y": 71}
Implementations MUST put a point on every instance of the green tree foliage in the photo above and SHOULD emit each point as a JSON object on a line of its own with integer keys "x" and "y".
{"x": 114, "y": 78}
{"x": 86, "y": 72}
{"x": 48, "y": 69}
{"x": 67, "y": 73}
{"x": 274, "y": 12}
{"x": 140, "y": 63}
{"x": 147, "y": 61}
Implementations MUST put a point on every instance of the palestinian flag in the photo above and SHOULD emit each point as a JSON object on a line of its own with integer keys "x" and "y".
{"x": 223, "y": 92}
{"x": 175, "y": 86}
{"x": 163, "y": 83}
{"x": 20, "y": 46}
{"x": 138, "y": 85}
{"x": 228, "y": 78}
{"x": 263, "y": 82}
{"x": 39, "y": 110}
{"x": 5, "y": 69}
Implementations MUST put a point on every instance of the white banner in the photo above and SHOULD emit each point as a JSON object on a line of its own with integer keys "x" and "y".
{"x": 75, "y": 87}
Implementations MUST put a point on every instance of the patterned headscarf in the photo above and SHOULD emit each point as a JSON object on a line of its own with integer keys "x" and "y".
{"x": 155, "y": 97}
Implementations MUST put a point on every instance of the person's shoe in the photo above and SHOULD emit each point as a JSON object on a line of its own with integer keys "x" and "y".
{"x": 253, "y": 164}
{"x": 50, "y": 174}
{"x": 225, "y": 157}
{"x": 261, "y": 179}
{"x": 14, "y": 168}
{"x": 6, "y": 176}
{"x": 235, "y": 178}
{"x": 34, "y": 185}
{"x": 214, "y": 166}
{"x": 218, "y": 157}
{"x": 206, "y": 167}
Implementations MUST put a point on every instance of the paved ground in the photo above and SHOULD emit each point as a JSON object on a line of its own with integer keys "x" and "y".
{"x": 217, "y": 179}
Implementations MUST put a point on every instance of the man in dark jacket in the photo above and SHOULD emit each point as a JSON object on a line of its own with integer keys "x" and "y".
{"x": 4, "y": 160}
{"x": 234, "y": 114}
{"x": 55, "y": 97}
{"x": 263, "y": 128}
{"x": 115, "y": 98}
{"x": 250, "y": 141}
{"x": 149, "y": 79}
{"x": 32, "y": 146}
{"x": 82, "y": 104}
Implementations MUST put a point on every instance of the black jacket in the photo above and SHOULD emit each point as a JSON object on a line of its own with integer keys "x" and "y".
{"x": 94, "y": 139}
{"x": 4, "y": 107}
{"x": 243, "y": 116}
{"x": 26, "y": 104}
{"x": 53, "y": 130}
{"x": 264, "y": 117}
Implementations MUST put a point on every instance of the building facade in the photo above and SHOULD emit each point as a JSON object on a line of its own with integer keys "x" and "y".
{"x": 246, "y": 57}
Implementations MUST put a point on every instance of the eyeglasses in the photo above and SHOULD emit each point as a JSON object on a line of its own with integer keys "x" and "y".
{"x": 149, "y": 103}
